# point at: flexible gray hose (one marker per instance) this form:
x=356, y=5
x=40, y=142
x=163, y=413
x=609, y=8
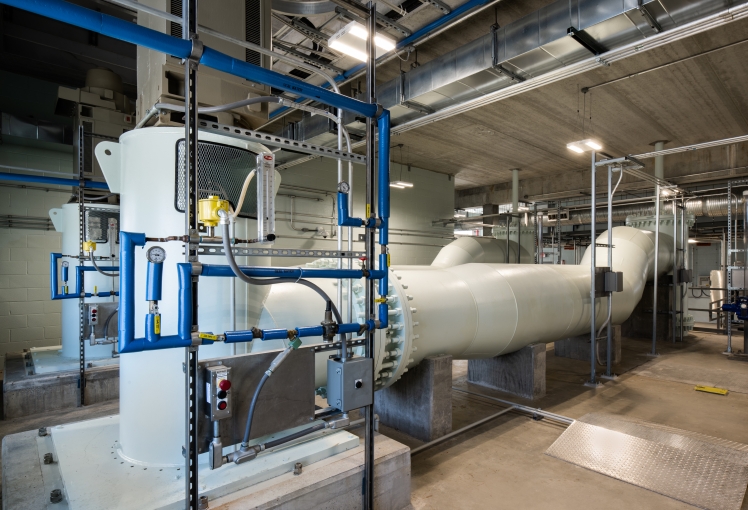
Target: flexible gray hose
x=93, y=261
x=106, y=322
x=270, y=281
x=250, y=414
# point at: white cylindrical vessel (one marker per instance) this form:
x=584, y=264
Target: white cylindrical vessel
x=152, y=389
x=66, y=221
x=484, y=310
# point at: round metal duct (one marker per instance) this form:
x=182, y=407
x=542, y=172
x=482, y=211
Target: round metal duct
x=303, y=7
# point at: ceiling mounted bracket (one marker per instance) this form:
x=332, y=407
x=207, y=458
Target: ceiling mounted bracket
x=587, y=42
x=440, y=5
x=653, y=23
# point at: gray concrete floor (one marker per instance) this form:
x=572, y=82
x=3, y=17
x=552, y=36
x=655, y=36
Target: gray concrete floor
x=502, y=464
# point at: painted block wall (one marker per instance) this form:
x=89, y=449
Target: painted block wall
x=414, y=240
x=28, y=318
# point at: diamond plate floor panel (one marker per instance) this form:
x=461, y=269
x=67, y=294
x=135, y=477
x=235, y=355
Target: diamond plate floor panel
x=700, y=470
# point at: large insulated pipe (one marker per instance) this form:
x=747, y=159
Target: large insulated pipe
x=484, y=310
x=476, y=249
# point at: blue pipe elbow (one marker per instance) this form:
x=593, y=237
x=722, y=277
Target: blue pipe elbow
x=344, y=220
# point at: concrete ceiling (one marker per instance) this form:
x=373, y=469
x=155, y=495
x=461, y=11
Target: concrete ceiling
x=700, y=99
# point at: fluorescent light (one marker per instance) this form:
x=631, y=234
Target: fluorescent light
x=351, y=40
x=692, y=241
x=584, y=146
x=395, y=185
x=401, y=184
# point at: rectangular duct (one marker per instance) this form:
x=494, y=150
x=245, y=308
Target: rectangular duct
x=526, y=48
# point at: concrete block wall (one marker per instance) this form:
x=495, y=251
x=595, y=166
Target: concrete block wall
x=413, y=239
x=28, y=318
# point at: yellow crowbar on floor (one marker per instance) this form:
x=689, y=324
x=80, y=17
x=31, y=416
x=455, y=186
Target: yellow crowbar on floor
x=711, y=389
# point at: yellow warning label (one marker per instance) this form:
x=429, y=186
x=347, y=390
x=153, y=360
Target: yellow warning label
x=368, y=210
x=380, y=300
x=711, y=389
x=157, y=324
x=208, y=336
x=388, y=260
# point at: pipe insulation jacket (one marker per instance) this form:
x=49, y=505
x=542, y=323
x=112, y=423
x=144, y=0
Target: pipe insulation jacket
x=482, y=310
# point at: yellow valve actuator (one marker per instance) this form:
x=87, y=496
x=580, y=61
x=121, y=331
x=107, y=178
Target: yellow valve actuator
x=207, y=210
x=89, y=246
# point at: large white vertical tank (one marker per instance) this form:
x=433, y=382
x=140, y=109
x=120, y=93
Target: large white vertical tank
x=143, y=169
x=66, y=221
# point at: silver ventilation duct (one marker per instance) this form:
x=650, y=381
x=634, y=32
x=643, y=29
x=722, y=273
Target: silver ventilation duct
x=560, y=34
x=709, y=207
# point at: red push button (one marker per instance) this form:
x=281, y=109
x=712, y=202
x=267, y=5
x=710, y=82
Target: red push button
x=225, y=384
x=222, y=405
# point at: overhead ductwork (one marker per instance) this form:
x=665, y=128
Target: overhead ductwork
x=560, y=34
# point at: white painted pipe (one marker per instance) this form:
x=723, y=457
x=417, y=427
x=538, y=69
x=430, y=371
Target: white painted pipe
x=483, y=310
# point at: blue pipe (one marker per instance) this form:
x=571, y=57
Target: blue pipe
x=153, y=281
x=233, y=337
x=78, y=290
x=310, y=331
x=127, y=341
x=383, y=175
x=152, y=39
x=344, y=219
x=51, y=180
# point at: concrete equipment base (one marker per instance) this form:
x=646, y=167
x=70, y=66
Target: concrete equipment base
x=420, y=403
x=26, y=395
x=520, y=373
x=578, y=347
x=92, y=475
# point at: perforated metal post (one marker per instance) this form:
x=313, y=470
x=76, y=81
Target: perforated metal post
x=371, y=129
x=609, y=353
x=191, y=187
x=81, y=258
x=593, y=269
x=674, y=308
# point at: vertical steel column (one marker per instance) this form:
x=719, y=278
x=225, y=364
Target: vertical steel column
x=558, y=232
x=371, y=129
x=81, y=258
x=656, y=272
x=674, y=313
x=508, y=219
x=189, y=32
x=519, y=238
x=728, y=264
x=609, y=353
x=593, y=269
x=684, y=263
x=537, y=229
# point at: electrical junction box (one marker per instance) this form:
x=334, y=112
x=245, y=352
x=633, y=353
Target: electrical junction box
x=218, y=391
x=683, y=276
x=350, y=384
x=96, y=317
x=613, y=281
x=93, y=314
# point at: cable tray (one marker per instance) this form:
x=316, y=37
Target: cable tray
x=281, y=252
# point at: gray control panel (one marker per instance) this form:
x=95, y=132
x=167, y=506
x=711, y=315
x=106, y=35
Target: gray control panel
x=350, y=384
x=218, y=391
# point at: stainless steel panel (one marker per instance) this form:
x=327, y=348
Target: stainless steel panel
x=105, y=309
x=683, y=11
x=615, y=31
x=536, y=62
x=696, y=469
x=458, y=92
x=555, y=19
x=286, y=400
x=566, y=50
x=592, y=12
x=388, y=95
x=472, y=58
x=522, y=35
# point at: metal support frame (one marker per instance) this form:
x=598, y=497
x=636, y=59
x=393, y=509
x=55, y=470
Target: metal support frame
x=189, y=32
x=371, y=126
x=81, y=258
x=730, y=264
x=674, y=307
x=609, y=375
x=558, y=233
x=656, y=271
x=593, y=383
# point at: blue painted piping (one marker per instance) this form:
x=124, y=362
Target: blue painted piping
x=344, y=218
x=51, y=180
x=153, y=285
x=152, y=39
x=127, y=341
x=78, y=290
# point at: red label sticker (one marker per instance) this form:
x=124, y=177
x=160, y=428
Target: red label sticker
x=268, y=158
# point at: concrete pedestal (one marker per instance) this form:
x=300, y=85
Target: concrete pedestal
x=520, y=373
x=420, y=403
x=26, y=395
x=578, y=347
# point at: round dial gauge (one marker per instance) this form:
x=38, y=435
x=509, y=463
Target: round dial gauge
x=156, y=254
x=65, y=263
x=344, y=187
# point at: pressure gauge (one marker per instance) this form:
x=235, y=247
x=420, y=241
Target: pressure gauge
x=344, y=187
x=156, y=254
x=65, y=263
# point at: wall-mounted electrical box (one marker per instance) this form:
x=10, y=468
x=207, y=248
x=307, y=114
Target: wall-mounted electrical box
x=350, y=383
x=218, y=391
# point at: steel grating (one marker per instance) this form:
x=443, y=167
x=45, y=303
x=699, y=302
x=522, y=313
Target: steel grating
x=700, y=470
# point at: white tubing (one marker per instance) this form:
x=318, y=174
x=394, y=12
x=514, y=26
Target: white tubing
x=240, y=203
x=483, y=310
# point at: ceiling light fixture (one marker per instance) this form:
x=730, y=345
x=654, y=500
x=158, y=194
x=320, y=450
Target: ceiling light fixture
x=401, y=184
x=396, y=185
x=584, y=146
x=351, y=40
